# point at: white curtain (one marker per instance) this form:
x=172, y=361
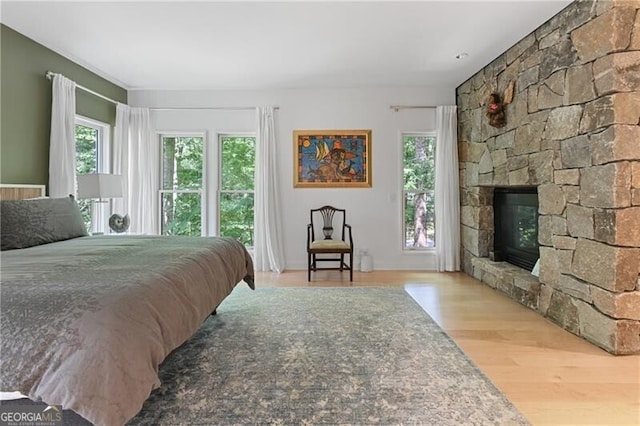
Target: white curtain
x=62, y=143
x=136, y=156
x=447, y=190
x=268, y=253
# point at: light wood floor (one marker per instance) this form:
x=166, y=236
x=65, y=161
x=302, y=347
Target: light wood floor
x=550, y=375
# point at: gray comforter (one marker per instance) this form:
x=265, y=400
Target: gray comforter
x=86, y=322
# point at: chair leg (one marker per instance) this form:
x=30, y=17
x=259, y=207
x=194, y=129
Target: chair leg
x=341, y=261
x=309, y=267
x=351, y=266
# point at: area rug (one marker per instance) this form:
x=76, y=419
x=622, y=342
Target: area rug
x=332, y=356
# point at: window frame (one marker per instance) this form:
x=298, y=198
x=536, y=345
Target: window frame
x=404, y=191
x=220, y=191
x=203, y=191
x=99, y=211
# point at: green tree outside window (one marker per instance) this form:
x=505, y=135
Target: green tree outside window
x=181, y=195
x=87, y=139
x=236, y=187
x=419, y=183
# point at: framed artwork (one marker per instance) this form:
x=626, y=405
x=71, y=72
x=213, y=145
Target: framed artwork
x=332, y=158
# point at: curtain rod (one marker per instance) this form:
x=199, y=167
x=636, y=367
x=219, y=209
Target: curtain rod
x=239, y=108
x=397, y=108
x=50, y=75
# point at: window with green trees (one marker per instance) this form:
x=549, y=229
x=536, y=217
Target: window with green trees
x=182, y=184
x=418, y=190
x=92, y=147
x=237, y=168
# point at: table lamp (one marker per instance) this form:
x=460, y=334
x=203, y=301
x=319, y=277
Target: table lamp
x=102, y=187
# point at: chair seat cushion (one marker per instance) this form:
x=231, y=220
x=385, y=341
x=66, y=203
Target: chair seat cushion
x=329, y=244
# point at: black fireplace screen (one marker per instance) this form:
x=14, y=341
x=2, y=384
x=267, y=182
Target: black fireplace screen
x=516, y=226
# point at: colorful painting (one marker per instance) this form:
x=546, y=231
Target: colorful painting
x=332, y=158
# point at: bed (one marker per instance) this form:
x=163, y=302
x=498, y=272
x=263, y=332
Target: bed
x=86, y=321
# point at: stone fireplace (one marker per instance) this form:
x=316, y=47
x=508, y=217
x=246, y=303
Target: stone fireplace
x=573, y=132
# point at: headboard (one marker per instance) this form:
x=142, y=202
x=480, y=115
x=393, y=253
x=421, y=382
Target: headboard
x=10, y=191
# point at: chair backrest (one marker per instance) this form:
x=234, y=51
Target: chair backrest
x=323, y=220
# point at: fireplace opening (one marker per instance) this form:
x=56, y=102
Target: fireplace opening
x=515, y=212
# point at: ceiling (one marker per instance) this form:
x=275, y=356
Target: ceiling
x=273, y=45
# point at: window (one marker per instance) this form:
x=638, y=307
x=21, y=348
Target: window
x=182, y=185
x=236, y=184
x=92, y=156
x=418, y=208
x=184, y=194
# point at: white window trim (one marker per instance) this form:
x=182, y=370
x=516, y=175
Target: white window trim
x=100, y=211
x=410, y=250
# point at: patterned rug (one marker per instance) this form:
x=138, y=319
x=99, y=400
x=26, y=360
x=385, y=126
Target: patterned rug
x=333, y=356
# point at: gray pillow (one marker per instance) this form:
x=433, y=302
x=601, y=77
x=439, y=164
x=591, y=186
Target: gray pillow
x=27, y=223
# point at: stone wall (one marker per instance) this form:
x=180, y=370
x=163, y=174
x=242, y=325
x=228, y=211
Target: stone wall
x=573, y=130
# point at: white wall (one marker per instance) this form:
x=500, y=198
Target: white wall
x=374, y=213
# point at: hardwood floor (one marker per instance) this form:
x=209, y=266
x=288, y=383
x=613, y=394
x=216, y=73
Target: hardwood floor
x=552, y=376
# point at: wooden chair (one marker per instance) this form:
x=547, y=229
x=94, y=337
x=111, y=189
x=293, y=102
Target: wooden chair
x=322, y=219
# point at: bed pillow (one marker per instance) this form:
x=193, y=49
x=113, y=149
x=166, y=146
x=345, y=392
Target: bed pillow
x=28, y=223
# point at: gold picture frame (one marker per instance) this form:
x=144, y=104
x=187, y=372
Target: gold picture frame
x=332, y=158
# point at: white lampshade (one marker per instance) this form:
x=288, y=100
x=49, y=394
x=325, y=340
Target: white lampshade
x=99, y=185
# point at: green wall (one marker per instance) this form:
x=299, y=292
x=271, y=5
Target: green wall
x=25, y=104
